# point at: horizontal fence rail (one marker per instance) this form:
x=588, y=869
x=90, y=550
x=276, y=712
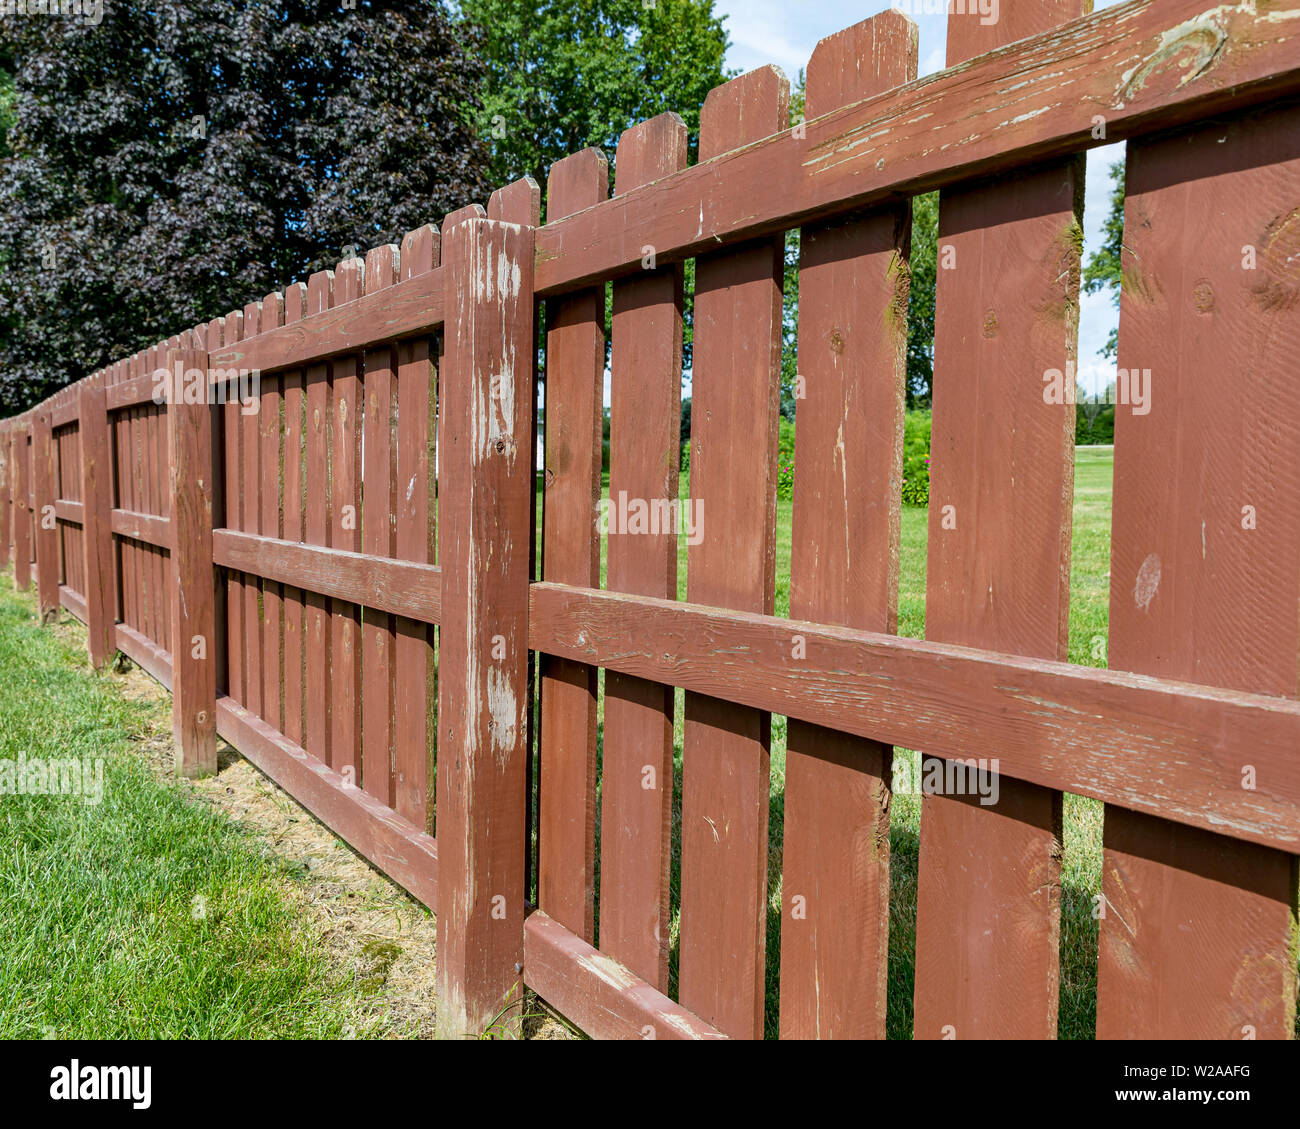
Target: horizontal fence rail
x=313, y=520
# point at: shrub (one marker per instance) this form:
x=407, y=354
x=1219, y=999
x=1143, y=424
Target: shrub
x=916, y=459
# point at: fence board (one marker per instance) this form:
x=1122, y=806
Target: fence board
x=344, y=670
x=47, y=537
x=126, y=483
x=318, y=701
x=97, y=501
x=22, y=517
x=160, y=474
x=415, y=504
x=991, y=115
x=575, y=367
x=6, y=495
x=250, y=476
x=379, y=540
x=734, y=417
x=605, y=998
x=853, y=279
x=988, y=888
x=271, y=522
x=1199, y=933
x=294, y=599
x=645, y=428
x=236, y=648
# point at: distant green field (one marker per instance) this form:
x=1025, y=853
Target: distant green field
x=1081, y=869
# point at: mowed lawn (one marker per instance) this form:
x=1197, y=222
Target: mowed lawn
x=146, y=914
x=1081, y=867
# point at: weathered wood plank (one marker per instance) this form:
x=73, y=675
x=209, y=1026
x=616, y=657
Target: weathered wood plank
x=6, y=494
x=148, y=529
x=603, y=997
x=270, y=524
x=487, y=466
x=412, y=308
x=1199, y=933
x=415, y=504
x=1156, y=746
x=145, y=653
x=317, y=638
x=1144, y=66
x=521, y=203
x=294, y=599
x=133, y=392
x=232, y=464
x=378, y=715
x=344, y=670
x=393, y=586
x=397, y=847
x=734, y=418
x=44, y=477
x=65, y=510
x=97, y=501
x=575, y=367
x=22, y=521
x=190, y=429
x=250, y=474
x=72, y=602
x=645, y=429
x=998, y=574
x=853, y=292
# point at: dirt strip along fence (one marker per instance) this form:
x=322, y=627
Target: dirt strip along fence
x=336, y=572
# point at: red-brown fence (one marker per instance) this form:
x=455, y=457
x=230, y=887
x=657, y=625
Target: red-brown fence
x=275, y=561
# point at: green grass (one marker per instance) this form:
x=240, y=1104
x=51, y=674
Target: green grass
x=148, y=914
x=1081, y=863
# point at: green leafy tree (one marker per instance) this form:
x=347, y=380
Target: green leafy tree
x=8, y=105
x=566, y=74
x=920, y=303
x=187, y=156
x=1105, y=267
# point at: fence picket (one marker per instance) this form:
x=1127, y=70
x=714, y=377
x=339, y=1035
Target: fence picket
x=734, y=418
x=318, y=702
x=853, y=278
x=6, y=495
x=250, y=477
x=1001, y=494
x=415, y=506
x=379, y=540
x=575, y=366
x=1199, y=930
x=271, y=522
x=236, y=646
x=47, y=538
x=344, y=670
x=294, y=599
x=22, y=516
x=645, y=438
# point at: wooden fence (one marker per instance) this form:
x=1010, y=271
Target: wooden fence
x=275, y=561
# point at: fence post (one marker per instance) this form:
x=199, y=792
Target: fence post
x=487, y=495
x=44, y=491
x=5, y=491
x=21, y=518
x=190, y=432
x=97, y=528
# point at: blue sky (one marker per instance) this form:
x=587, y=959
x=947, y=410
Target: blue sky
x=785, y=33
